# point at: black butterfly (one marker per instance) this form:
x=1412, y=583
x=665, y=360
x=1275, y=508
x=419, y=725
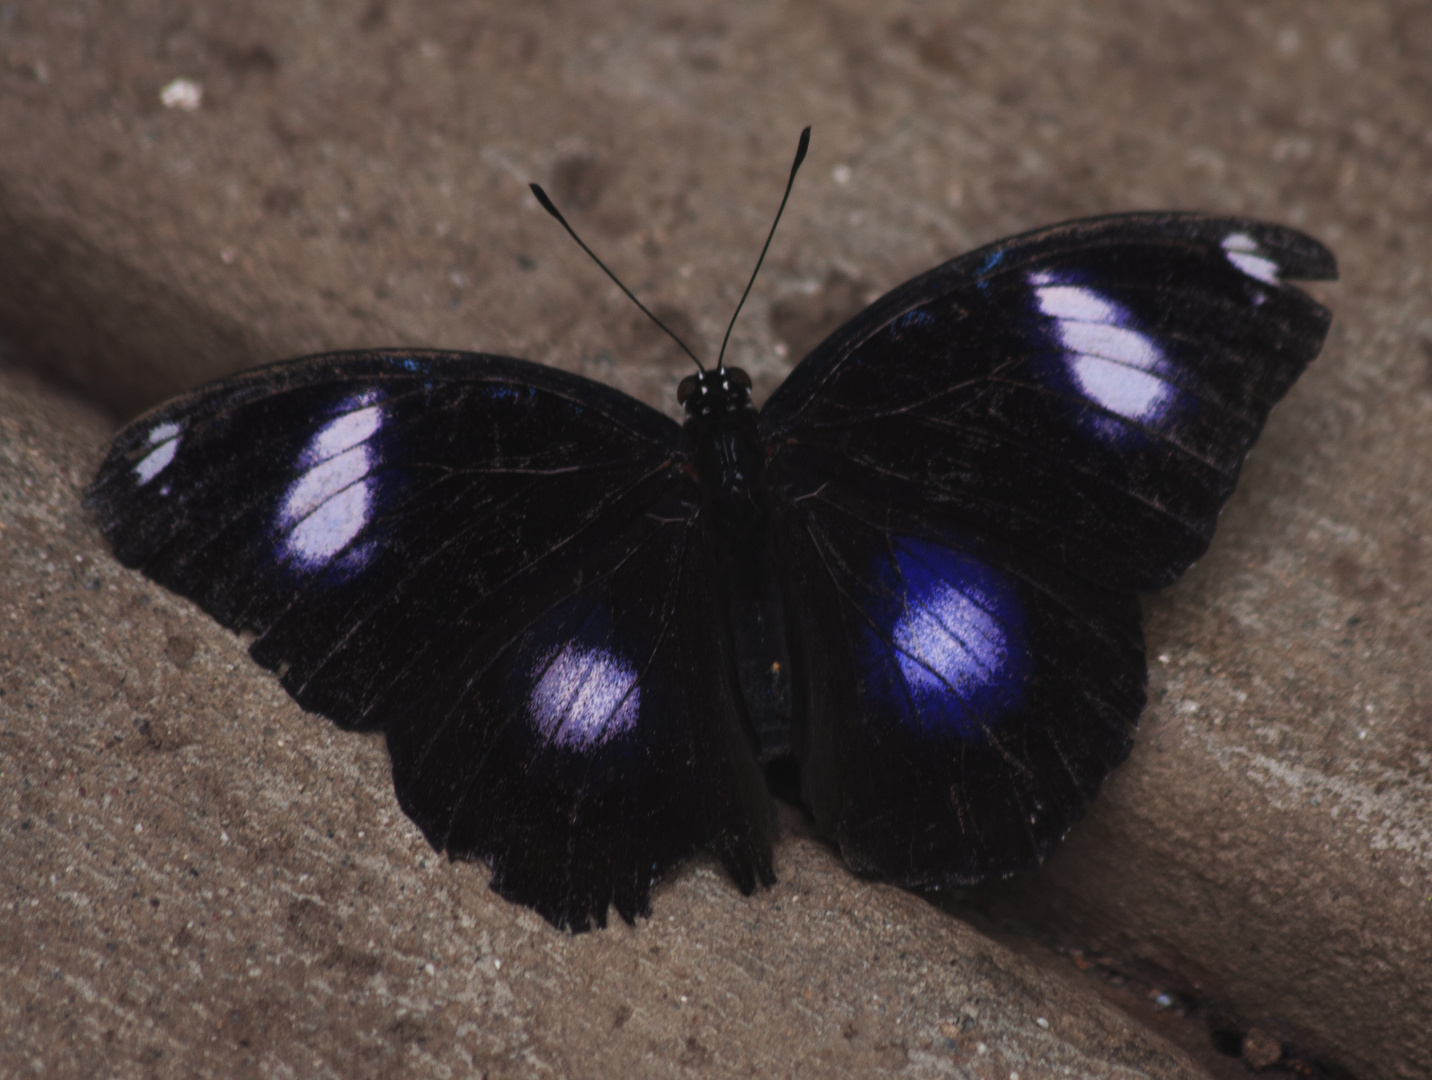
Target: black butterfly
x=583, y=627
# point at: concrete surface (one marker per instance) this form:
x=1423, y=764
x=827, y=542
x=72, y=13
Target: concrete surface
x=354, y=174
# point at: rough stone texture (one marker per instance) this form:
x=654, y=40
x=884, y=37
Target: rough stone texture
x=355, y=175
x=200, y=879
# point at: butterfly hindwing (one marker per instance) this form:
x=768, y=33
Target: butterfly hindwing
x=958, y=704
x=400, y=527
x=600, y=742
x=1088, y=391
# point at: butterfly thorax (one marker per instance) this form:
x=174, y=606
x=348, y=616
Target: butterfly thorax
x=726, y=452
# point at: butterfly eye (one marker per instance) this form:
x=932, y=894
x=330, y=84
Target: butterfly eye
x=685, y=389
x=738, y=377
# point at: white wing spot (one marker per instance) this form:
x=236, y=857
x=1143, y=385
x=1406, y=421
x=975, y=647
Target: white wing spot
x=585, y=697
x=165, y=440
x=344, y=433
x=1114, y=366
x=1074, y=303
x=331, y=502
x=325, y=481
x=1134, y=394
x=1241, y=250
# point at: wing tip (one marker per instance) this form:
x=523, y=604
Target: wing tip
x=1299, y=256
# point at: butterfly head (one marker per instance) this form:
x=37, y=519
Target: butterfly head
x=715, y=392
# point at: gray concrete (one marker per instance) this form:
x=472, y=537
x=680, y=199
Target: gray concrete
x=355, y=175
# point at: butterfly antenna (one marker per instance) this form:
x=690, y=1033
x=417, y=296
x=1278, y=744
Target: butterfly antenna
x=551, y=209
x=795, y=167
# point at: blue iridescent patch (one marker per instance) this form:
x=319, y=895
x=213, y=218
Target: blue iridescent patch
x=916, y=319
x=947, y=647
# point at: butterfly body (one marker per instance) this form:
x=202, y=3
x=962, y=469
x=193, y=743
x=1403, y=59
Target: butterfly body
x=728, y=458
x=584, y=628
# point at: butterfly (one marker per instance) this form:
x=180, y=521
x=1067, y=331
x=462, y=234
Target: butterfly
x=587, y=631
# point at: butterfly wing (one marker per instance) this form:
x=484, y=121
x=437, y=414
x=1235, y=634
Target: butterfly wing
x=498, y=564
x=1089, y=390
x=971, y=480
x=958, y=703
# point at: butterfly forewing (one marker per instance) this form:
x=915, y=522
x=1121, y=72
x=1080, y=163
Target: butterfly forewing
x=350, y=508
x=1089, y=391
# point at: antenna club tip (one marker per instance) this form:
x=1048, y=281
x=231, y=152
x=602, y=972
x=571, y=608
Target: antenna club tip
x=542, y=198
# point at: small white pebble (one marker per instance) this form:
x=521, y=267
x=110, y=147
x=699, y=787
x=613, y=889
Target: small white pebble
x=138, y=828
x=981, y=1048
x=1041, y=1021
x=223, y=836
x=430, y=969
x=840, y=174
x=183, y=94
x=497, y=964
